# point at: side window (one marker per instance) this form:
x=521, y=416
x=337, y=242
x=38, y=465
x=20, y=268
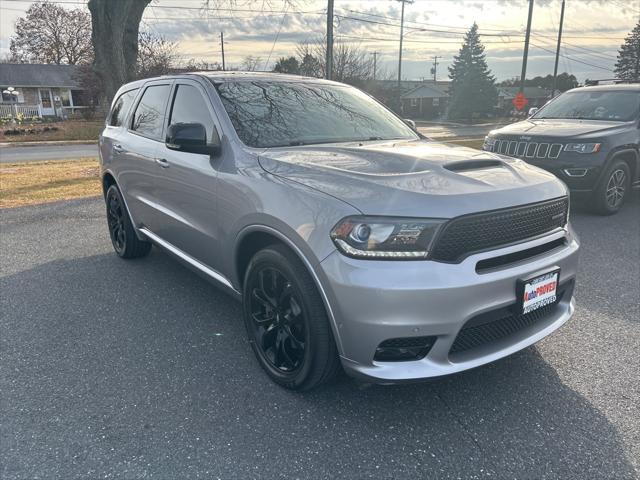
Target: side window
x=149, y=115
x=121, y=107
x=189, y=107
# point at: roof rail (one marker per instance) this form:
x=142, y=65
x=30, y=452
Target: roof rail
x=607, y=81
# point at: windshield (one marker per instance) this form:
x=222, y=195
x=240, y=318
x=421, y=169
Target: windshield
x=614, y=106
x=274, y=114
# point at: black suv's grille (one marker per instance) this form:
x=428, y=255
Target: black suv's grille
x=482, y=231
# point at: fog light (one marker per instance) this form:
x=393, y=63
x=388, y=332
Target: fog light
x=576, y=172
x=404, y=349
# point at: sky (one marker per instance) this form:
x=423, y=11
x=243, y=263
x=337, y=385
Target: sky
x=270, y=29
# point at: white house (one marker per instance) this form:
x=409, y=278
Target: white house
x=43, y=90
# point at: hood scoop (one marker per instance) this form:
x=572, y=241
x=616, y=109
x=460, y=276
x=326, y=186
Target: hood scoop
x=466, y=165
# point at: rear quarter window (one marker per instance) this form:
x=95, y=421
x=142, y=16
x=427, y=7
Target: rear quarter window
x=121, y=108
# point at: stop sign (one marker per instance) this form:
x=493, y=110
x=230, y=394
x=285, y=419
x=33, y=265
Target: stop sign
x=520, y=101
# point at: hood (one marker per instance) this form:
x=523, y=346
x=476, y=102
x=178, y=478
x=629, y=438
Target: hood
x=561, y=128
x=413, y=178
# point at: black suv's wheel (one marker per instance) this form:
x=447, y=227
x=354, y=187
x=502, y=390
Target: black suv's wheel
x=287, y=322
x=613, y=189
x=123, y=237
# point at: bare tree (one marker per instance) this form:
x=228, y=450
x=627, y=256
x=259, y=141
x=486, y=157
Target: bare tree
x=351, y=63
x=115, y=27
x=250, y=63
x=49, y=33
x=156, y=55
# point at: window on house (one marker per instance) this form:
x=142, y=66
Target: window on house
x=414, y=102
x=8, y=98
x=65, y=97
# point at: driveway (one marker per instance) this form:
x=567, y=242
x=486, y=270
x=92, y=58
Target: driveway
x=47, y=152
x=140, y=369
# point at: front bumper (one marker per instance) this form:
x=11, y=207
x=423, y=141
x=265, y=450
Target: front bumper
x=373, y=301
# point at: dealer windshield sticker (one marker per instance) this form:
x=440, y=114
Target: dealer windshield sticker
x=539, y=292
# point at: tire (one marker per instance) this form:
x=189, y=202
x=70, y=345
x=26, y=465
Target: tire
x=123, y=236
x=613, y=188
x=286, y=321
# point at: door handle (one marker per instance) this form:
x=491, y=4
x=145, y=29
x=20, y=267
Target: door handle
x=162, y=162
x=117, y=148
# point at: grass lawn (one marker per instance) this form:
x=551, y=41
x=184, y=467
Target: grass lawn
x=67, y=130
x=41, y=182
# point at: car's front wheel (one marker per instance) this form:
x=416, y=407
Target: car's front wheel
x=614, y=188
x=287, y=322
x=123, y=237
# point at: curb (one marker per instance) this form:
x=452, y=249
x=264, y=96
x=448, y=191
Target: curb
x=48, y=143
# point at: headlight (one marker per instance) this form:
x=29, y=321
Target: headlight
x=385, y=237
x=489, y=143
x=582, y=147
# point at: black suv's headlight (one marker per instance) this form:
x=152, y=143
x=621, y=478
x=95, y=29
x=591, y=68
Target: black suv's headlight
x=489, y=143
x=390, y=238
x=582, y=147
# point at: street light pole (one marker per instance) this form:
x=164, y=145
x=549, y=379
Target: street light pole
x=329, y=50
x=555, y=67
x=401, y=35
x=526, y=47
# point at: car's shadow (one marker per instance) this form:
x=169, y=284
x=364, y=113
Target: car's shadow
x=142, y=367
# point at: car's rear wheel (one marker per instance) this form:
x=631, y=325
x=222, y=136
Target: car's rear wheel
x=287, y=322
x=613, y=189
x=123, y=237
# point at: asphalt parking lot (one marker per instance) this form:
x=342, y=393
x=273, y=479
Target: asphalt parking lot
x=115, y=369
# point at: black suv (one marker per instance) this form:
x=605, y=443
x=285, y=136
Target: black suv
x=589, y=137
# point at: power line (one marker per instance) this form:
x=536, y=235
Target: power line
x=573, y=59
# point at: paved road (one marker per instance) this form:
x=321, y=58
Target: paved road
x=115, y=369
x=47, y=152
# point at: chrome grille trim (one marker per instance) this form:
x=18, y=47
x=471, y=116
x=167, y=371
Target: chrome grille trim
x=522, y=149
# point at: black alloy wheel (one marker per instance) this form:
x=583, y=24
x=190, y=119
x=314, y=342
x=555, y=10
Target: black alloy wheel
x=278, y=320
x=286, y=321
x=123, y=237
x=613, y=189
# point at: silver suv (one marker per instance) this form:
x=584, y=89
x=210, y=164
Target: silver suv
x=351, y=240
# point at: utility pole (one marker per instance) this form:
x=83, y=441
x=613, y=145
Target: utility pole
x=526, y=47
x=375, y=64
x=222, y=45
x=401, y=35
x=329, y=58
x=435, y=68
x=555, y=67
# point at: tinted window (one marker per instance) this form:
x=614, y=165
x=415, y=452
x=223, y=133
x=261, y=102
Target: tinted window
x=617, y=106
x=121, y=107
x=149, y=116
x=189, y=107
x=269, y=114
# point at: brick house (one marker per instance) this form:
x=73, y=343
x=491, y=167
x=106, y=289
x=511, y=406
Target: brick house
x=43, y=90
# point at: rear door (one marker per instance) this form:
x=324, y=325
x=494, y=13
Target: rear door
x=138, y=147
x=187, y=181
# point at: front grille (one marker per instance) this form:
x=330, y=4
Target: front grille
x=521, y=149
x=479, y=335
x=488, y=230
x=496, y=325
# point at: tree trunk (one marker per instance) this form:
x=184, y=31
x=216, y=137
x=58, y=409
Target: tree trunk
x=115, y=25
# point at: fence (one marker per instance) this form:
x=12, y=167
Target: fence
x=9, y=110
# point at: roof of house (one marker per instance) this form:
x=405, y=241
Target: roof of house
x=424, y=91
x=37, y=75
x=529, y=92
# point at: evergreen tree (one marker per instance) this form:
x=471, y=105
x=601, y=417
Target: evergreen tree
x=473, y=90
x=287, y=65
x=628, y=64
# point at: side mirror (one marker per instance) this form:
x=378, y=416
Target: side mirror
x=533, y=111
x=191, y=138
x=410, y=122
